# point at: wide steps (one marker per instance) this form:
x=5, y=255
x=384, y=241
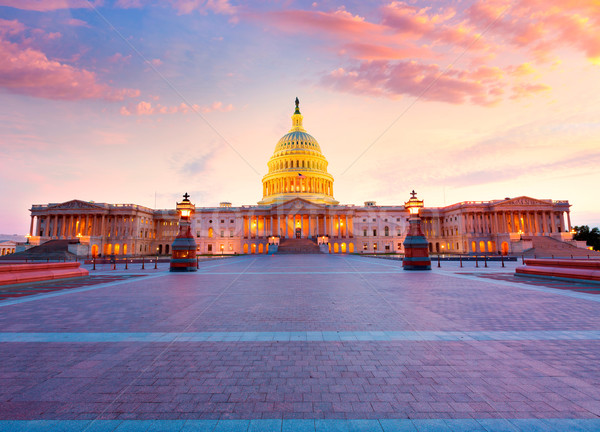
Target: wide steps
x=544, y=246
x=298, y=246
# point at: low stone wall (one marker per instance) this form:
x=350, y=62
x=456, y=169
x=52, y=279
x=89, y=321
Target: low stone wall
x=574, y=269
x=24, y=273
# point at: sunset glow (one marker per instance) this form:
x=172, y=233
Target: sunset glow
x=133, y=101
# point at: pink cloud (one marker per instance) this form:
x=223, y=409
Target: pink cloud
x=27, y=70
x=48, y=5
x=144, y=108
x=484, y=86
x=542, y=27
x=184, y=7
x=77, y=22
x=119, y=58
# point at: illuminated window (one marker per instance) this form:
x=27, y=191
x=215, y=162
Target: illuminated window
x=374, y=246
x=365, y=246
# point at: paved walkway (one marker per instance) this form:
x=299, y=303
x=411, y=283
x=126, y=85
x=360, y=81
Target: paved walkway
x=310, y=342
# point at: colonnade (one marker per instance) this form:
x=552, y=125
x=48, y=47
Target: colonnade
x=293, y=184
x=518, y=221
x=76, y=225
x=309, y=225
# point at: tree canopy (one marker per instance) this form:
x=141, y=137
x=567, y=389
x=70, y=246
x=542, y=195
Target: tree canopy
x=591, y=237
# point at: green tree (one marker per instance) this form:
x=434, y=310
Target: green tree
x=591, y=237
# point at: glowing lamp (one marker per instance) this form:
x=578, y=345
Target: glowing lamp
x=413, y=205
x=416, y=247
x=183, y=258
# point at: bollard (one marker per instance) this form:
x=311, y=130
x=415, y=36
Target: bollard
x=439, y=261
x=197, y=262
x=94, y=262
x=522, y=259
x=115, y=264
x=460, y=258
x=126, y=268
x=143, y=263
x=485, y=261
x=502, y=260
x=155, y=262
x=476, y=262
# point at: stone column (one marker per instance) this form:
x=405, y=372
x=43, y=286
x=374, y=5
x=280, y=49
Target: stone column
x=553, y=222
x=331, y=225
x=31, y=226
x=569, y=220
x=351, y=226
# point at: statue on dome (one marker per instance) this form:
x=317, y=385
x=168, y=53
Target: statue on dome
x=297, y=102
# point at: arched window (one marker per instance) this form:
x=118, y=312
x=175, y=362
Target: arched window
x=210, y=233
x=286, y=164
x=297, y=164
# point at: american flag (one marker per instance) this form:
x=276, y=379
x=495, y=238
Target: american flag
x=301, y=176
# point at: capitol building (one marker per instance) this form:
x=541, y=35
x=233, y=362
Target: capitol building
x=298, y=207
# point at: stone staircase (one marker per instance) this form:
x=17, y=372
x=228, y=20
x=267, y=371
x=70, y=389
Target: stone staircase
x=546, y=247
x=298, y=246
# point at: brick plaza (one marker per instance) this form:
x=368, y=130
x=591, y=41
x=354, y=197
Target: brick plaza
x=302, y=342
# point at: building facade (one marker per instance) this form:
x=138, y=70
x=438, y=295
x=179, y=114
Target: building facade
x=298, y=202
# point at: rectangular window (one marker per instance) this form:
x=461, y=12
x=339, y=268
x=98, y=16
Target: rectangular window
x=365, y=232
x=374, y=246
x=197, y=233
x=374, y=233
x=230, y=233
x=230, y=220
x=222, y=221
x=399, y=246
x=387, y=247
x=222, y=233
x=210, y=248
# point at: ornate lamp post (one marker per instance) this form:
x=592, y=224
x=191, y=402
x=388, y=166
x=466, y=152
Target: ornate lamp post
x=416, y=253
x=183, y=257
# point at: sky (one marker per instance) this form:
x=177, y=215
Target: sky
x=138, y=101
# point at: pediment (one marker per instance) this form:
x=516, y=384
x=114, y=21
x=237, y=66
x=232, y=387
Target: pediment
x=521, y=201
x=75, y=205
x=298, y=204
